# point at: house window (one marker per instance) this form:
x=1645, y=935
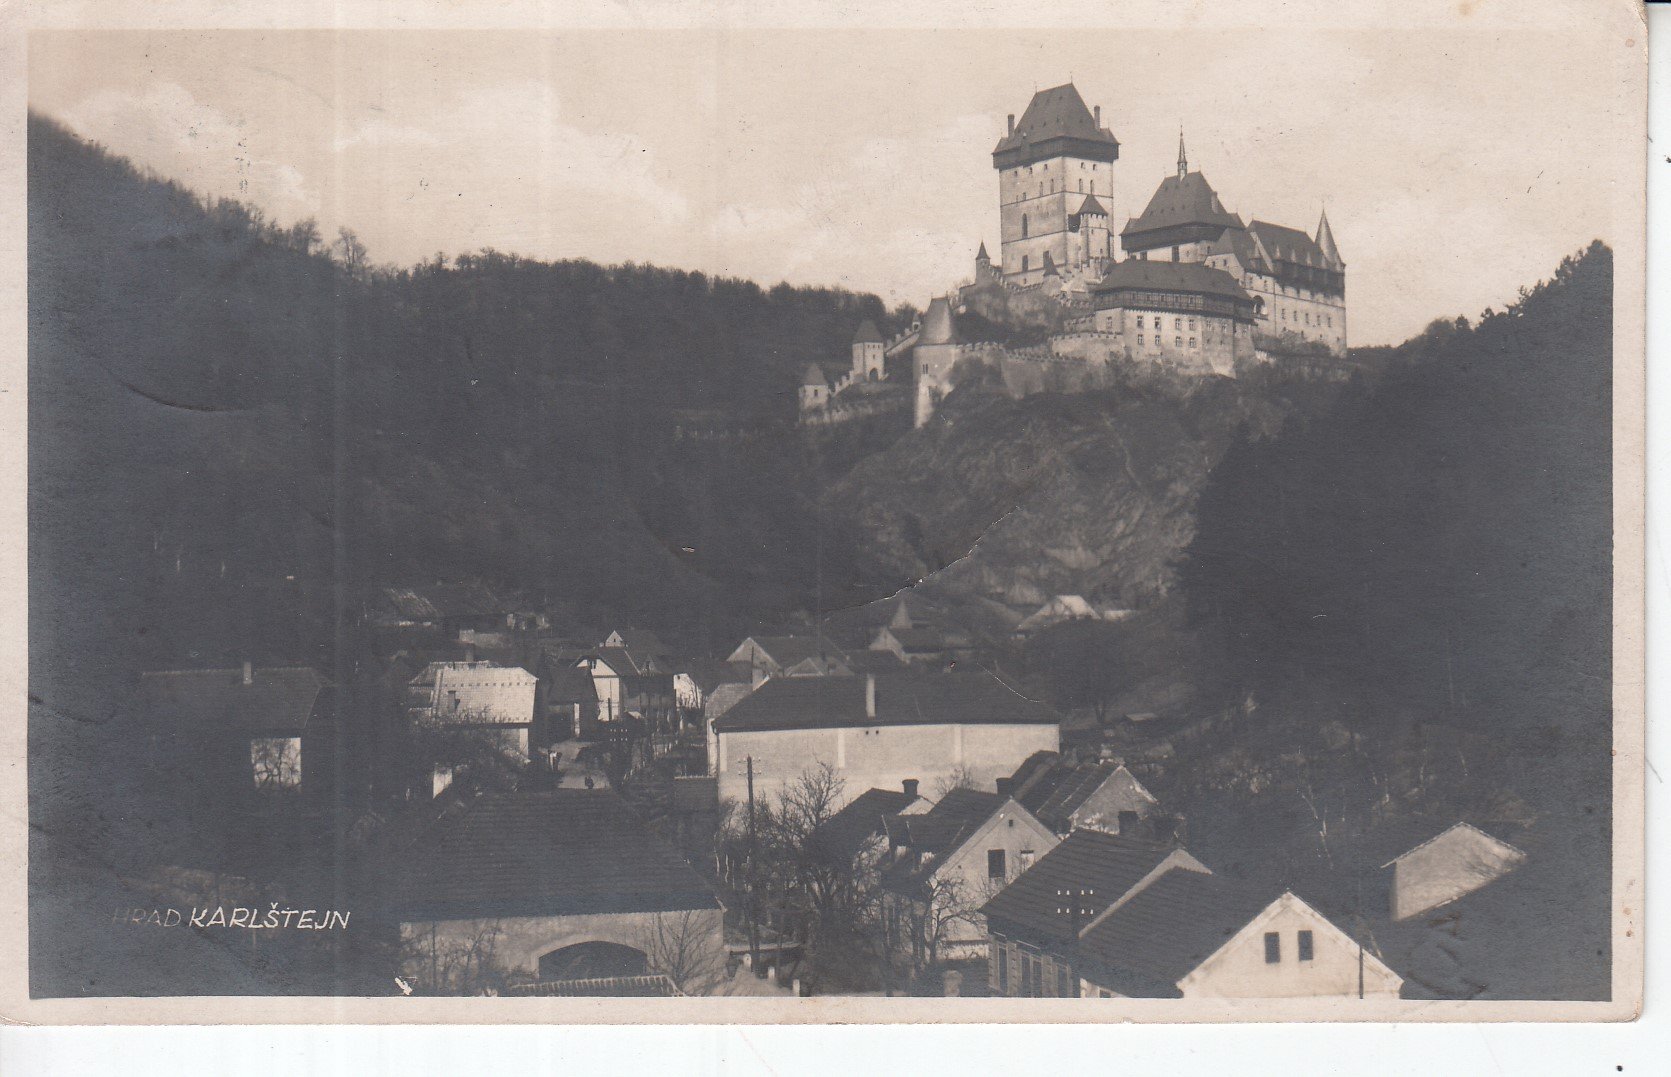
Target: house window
x=1306, y=950
x=1063, y=988
x=1174, y=253
x=1273, y=948
x=1003, y=984
x=1026, y=859
x=995, y=863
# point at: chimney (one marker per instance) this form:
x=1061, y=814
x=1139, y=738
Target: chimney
x=1012, y=123
x=910, y=787
x=249, y=674
x=1005, y=786
x=870, y=695
x=1096, y=114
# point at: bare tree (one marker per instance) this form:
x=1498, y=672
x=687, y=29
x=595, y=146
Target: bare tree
x=449, y=964
x=688, y=948
x=962, y=777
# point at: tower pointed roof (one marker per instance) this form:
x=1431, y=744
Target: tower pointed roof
x=1183, y=158
x=981, y=255
x=1325, y=240
x=814, y=376
x=1091, y=205
x=1056, y=124
x=867, y=333
x=937, y=323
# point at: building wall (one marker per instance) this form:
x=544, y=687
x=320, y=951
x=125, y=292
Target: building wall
x=520, y=941
x=1309, y=314
x=1454, y=864
x=1193, y=342
x=876, y=757
x=1015, y=831
x=868, y=357
x=931, y=371
x=1044, y=194
x=502, y=693
x=1239, y=969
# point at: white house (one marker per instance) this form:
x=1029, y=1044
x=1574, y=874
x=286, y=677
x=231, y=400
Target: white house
x=482, y=695
x=879, y=730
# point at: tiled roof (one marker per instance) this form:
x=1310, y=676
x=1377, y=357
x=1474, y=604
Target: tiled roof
x=1106, y=864
x=565, y=852
x=652, y=986
x=278, y=701
x=905, y=698
x=867, y=333
x=1140, y=274
x=1055, y=115
x=566, y=682
x=1164, y=931
x=862, y=818
x=1286, y=244
x=1182, y=200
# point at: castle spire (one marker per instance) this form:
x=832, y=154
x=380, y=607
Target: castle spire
x=1183, y=158
x=1325, y=238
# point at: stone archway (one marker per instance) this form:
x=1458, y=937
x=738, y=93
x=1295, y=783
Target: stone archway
x=593, y=960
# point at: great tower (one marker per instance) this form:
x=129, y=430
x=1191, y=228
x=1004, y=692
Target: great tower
x=1055, y=180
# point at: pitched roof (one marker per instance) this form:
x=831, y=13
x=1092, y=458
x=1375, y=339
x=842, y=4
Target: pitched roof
x=1091, y=205
x=278, y=701
x=929, y=838
x=867, y=333
x=1105, y=864
x=1056, y=120
x=981, y=254
x=557, y=853
x=1182, y=200
x=566, y=682
x=641, y=641
x=1325, y=240
x=905, y=698
x=789, y=651
x=1165, y=930
x=1286, y=244
x=863, y=817
x=1141, y=274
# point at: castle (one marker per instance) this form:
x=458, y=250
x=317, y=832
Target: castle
x=1189, y=287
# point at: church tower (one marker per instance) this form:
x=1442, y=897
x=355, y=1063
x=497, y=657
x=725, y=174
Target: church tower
x=1051, y=166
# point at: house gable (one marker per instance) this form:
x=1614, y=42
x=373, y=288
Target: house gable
x=1338, y=966
x=1451, y=865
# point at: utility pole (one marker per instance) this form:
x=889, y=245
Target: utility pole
x=1075, y=904
x=753, y=911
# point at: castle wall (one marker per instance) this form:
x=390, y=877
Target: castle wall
x=1288, y=308
x=1194, y=343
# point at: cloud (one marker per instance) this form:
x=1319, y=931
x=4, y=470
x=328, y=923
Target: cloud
x=169, y=130
x=380, y=132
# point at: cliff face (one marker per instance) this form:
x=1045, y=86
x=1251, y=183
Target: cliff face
x=1088, y=493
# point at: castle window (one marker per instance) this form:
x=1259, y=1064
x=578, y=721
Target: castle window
x=1192, y=342
x=1140, y=340
x=1024, y=257
x=1023, y=230
x=1177, y=342
x=1192, y=323
x=1177, y=323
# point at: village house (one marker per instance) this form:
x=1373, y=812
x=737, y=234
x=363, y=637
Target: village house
x=878, y=730
x=945, y=863
x=1066, y=608
x=790, y=656
x=1066, y=796
x=261, y=722
x=563, y=886
x=1446, y=867
x=482, y=696
x=863, y=821
x=1109, y=917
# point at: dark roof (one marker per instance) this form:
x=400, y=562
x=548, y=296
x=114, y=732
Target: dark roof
x=1286, y=244
x=1106, y=864
x=867, y=333
x=1164, y=931
x=932, y=836
x=564, y=852
x=1056, y=122
x=814, y=375
x=1091, y=205
x=644, y=643
x=278, y=701
x=566, y=682
x=787, y=651
x=904, y=698
x=925, y=639
x=863, y=818
x=868, y=661
x=1140, y=274
x=981, y=254
x=1179, y=201
x=1055, y=801
x=1325, y=240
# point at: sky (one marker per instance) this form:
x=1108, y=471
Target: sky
x=1455, y=167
